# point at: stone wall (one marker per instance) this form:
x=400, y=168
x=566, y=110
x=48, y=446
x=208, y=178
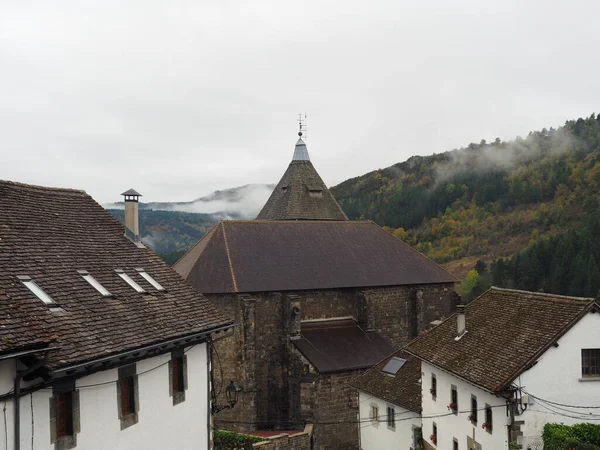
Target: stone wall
x=297, y=441
x=277, y=391
x=336, y=416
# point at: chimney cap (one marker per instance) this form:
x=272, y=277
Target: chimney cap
x=460, y=308
x=132, y=192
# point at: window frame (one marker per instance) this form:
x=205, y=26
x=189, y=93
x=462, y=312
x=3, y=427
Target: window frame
x=130, y=281
x=36, y=290
x=146, y=276
x=391, y=417
x=590, y=361
x=473, y=417
x=488, y=425
x=434, y=433
x=374, y=413
x=433, y=389
x=128, y=405
x=65, y=425
x=454, y=444
x=453, y=406
x=178, y=376
x=94, y=283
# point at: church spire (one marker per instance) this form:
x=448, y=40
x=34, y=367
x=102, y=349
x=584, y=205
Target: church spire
x=300, y=152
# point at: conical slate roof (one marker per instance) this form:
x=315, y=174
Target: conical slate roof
x=301, y=194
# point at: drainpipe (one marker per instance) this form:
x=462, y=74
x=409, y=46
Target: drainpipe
x=17, y=388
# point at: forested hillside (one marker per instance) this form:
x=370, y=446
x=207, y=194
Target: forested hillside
x=533, y=196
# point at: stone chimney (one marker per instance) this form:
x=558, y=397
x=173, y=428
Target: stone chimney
x=132, y=223
x=461, y=321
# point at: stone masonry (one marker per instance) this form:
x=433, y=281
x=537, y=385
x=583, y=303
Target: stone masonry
x=280, y=388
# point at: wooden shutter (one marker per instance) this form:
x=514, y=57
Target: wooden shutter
x=176, y=366
x=62, y=415
x=184, y=370
x=126, y=394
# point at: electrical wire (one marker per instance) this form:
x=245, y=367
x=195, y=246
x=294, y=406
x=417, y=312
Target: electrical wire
x=560, y=404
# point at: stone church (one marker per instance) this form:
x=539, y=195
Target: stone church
x=318, y=299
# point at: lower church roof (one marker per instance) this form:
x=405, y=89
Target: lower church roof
x=340, y=345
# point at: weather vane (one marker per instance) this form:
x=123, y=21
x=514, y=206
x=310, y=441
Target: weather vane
x=302, y=125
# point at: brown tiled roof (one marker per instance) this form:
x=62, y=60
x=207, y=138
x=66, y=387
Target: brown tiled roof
x=262, y=256
x=507, y=330
x=340, y=345
x=292, y=198
x=403, y=389
x=49, y=234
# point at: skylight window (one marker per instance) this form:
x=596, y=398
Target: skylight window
x=150, y=280
x=94, y=283
x=36, y=290
x=393, y=366
x=129, y=281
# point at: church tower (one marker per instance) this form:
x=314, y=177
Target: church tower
x=301, y=194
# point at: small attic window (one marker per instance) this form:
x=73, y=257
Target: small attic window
x=315, y=193
x=150, y=280
x=393, y=366
x=36, y=290
x=129, y=281
x=94, y=283
x=284, y=189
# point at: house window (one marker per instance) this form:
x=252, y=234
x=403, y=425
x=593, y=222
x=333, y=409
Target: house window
x=453, y=406
x=473, y=416
x=433, y=437
x=128, y=396
x=64, y=415
x=433, y=389
x=178, y=376
x=391, y=417
x=488, y=419
x=454, y=444
x=374, y=414
x=590, y=362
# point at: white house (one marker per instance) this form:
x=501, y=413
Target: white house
x=499, y=369
x=389, y=402
x=102, y=345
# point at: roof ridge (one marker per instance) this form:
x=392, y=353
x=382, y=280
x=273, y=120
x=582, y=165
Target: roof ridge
x=41, y=188
x=235, y=287
x=543, y=294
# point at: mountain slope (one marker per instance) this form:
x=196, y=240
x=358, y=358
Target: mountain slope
x=485, y=200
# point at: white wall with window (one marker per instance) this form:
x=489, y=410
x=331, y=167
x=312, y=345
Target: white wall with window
x=380, y=431
x=567, y=374
x=448, y=419
x=156, y=403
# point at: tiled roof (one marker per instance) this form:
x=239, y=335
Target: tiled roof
x=301, y=194
x=403, y=389
x=507, y=330
x=49, y=234
x=340, y=345
x=263, y=256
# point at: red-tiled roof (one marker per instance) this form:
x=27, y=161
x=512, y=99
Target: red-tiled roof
x=49, y=234
x=262, y=256
x=507, y=330
x=340, y=345
x=403, y=389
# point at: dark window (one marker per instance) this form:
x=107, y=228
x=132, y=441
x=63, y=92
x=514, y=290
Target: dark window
x=64, y=415
x=178, y=376
x=453, y=406
x=391, y=417
x=473, y=416
x=393, y=366
x=433, y=389
x=454, y=444
x=590, y=362
x=127, y=396
x=488, y=418
x=433, y=437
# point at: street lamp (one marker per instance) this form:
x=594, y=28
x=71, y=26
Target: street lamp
x=232, y=393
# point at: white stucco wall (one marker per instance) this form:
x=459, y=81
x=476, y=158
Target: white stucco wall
x=378, y=436
x=557, y=377
x=161, y=425
x=459, y=426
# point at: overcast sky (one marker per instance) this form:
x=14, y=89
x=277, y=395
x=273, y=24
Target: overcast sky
x=179, y=98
